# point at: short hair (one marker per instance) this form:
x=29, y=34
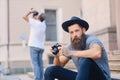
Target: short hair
x=35, y=13
x=42, y=17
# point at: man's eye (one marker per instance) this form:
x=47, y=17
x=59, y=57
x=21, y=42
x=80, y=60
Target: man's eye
x=71, y=32
x=76, y=30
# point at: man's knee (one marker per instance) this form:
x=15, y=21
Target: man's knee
x=86, y=62
x=49, y=70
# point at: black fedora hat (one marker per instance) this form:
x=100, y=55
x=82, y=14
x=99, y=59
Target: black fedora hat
x=74, y=20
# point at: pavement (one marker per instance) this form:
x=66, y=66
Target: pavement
x=30, y=77
x=17, y=77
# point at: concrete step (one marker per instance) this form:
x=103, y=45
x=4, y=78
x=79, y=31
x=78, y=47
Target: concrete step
x=114, y=63
x=115, y=76
x=25, y=77
x=31, y=75
x=114, y=57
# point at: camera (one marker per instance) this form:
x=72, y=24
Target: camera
x=55, y=48
x=35, y=13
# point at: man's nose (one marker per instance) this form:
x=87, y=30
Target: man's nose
x=75, y=34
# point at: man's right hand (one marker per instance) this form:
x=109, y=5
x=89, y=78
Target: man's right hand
x=32, y=10
x=25, y=17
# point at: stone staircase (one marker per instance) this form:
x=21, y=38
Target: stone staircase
x=114, y=63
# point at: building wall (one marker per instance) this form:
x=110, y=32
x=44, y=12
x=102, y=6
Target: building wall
x=117, y=2
x=3, y=20
x=97, y=13
x=102, y=21
x=3, y=32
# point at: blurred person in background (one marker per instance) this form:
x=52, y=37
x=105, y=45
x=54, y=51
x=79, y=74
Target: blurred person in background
x=36, y=41
x=1, y=72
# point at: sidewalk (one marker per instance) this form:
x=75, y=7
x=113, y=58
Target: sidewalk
x=24, y=77
x=114, y=76
x=17, y=77
x=30, y=76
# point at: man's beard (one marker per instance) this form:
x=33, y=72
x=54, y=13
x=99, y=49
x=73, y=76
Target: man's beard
x=79, y=43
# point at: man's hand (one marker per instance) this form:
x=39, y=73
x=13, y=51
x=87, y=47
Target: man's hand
x=59, y=58
x=66, y=52
x=32, y=10
x=26, y=16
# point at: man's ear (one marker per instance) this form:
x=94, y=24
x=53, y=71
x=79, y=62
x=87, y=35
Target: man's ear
x=84, y=30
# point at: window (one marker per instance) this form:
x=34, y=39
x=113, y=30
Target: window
x=51, y=31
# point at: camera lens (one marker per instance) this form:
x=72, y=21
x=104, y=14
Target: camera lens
x=55, y=51
x=55, y=48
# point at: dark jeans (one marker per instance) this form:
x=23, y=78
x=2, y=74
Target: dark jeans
x=88, y=70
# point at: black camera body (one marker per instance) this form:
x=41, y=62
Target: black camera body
x=55, y=48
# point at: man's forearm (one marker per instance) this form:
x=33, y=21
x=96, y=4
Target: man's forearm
x=28, y=13
x=57, y=61
x=26, y=16
x=94, y=54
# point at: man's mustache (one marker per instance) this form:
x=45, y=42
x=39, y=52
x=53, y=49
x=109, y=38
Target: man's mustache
x=76, y=38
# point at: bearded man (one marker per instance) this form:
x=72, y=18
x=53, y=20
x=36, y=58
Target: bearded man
x=86, y=51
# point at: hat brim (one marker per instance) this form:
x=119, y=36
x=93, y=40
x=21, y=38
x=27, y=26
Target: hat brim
x=68, y=23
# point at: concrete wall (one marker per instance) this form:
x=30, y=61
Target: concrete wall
x=117, y=8
x=97, y=13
